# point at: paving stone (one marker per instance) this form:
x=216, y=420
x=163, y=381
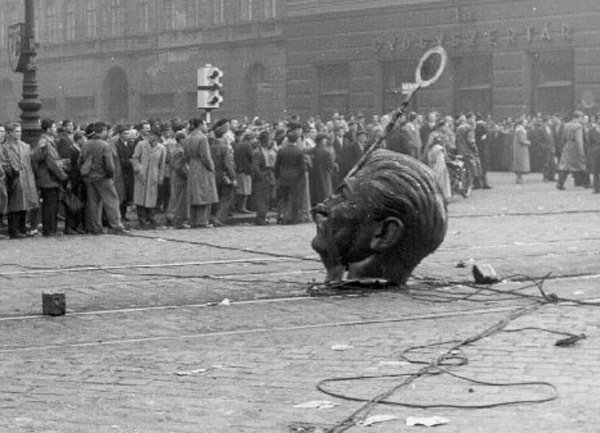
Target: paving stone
x=100, y=371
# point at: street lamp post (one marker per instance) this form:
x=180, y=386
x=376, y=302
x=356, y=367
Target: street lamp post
x=30, y=104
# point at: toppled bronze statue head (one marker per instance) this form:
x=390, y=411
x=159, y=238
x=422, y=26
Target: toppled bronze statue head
x=382, y=221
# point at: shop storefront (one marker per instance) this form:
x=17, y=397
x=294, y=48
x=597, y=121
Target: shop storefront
x=506, y=58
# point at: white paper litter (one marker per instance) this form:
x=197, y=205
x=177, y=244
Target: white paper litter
x=317, y=404
x=341, y=347
x=375, y=419
x=191, y=372
x=393, y=364
x=428, y=421
x=225, y=302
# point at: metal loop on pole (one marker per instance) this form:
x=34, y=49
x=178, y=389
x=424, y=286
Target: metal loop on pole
x=439, y=50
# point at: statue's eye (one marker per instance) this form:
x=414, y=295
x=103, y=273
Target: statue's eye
x=345, y=191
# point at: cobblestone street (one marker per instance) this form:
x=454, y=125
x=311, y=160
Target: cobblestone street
x=149, y=343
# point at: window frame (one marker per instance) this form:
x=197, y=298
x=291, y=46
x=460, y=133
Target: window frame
x=91, y=19
x=70, y=20
x=389, y=92
x=333, y=73
x=479, y=89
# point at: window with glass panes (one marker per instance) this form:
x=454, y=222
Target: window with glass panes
x=116, y=17
x=552, y=81
x=70, y=20
x=218, y=11
x=394, y=73
x=473, y=83
x=334, y=84
x=143, y=17
x=51, y=22
x=91, y=19
x=269, y=9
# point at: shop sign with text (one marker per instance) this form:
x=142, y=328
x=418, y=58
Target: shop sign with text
x=477, y=38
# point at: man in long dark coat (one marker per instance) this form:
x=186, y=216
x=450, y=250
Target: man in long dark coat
x=125, y=146
x=291, y=177
x=50, y=175
x=349, y=154
x=202, y=188
x=572, y=158
x=323, y=168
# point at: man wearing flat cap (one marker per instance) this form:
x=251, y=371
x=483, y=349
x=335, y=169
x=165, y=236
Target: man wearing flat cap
x=225, y=177
x=243, y=155
x=125, y=147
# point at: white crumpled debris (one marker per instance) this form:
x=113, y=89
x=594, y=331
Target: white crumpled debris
x=426, y=421
x=225, y=302
x=317, y=404
x=341, y=347
x=191, y=372
x=199, y=370
x=376, y=419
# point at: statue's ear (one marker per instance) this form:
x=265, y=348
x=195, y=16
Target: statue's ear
x=387, y=234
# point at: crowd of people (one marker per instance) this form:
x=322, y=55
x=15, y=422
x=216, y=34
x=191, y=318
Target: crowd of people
x=199, y=175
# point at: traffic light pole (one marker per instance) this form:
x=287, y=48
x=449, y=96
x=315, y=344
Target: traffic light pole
x=207, y=115
x=30, y=105
x=208, y=89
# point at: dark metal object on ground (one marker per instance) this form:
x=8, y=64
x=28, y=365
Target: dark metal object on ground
x=485, y=274
x=54, y=304
x=346, y=287
x=569, y=341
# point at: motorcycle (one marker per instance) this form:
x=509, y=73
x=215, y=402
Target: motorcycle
x=461, y=178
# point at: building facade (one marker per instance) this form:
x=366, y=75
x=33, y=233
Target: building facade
x=130, y=60
x=506, y=57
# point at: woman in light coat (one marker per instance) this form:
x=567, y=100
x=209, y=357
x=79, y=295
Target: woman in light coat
x=521, y=150
x=434, y=155
x=148, y=163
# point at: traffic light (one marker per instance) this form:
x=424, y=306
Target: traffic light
x=209, y=87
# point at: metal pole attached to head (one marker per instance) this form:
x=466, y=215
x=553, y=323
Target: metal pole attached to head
x=419, y=84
